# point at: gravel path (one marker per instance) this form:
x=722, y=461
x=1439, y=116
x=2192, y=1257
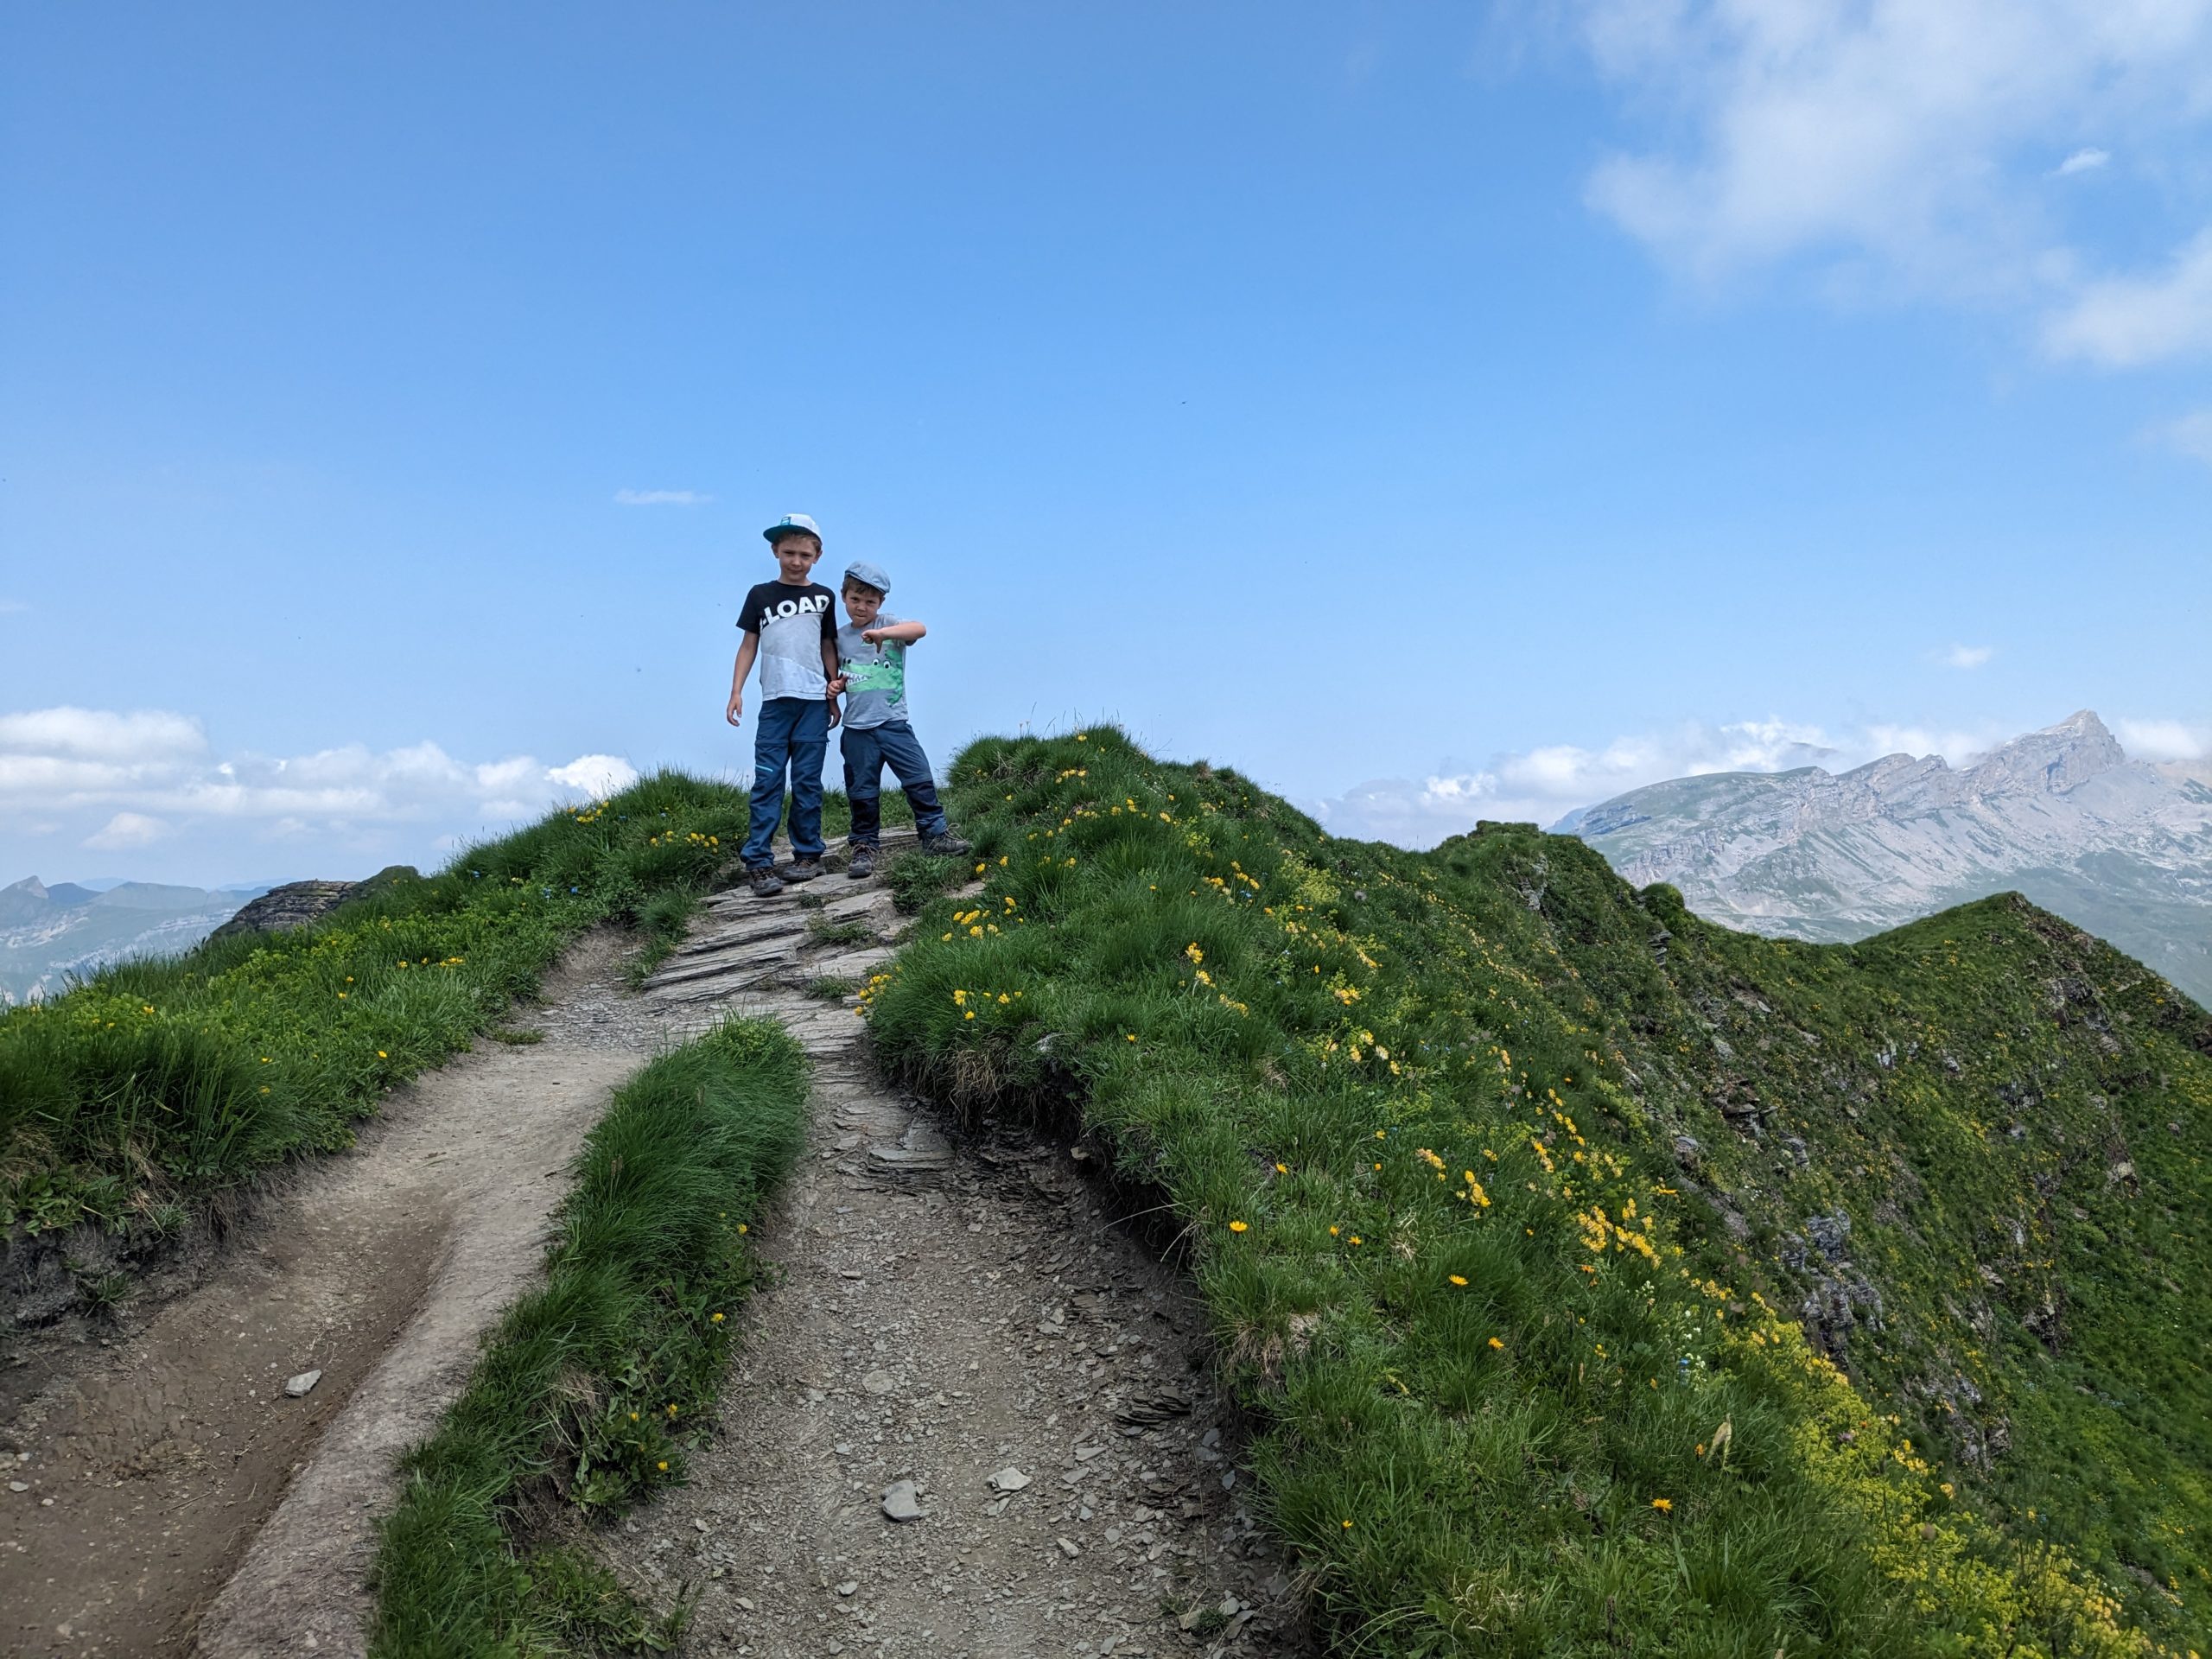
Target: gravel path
x=961, y=1335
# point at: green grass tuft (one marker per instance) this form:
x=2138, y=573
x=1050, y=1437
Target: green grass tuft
x=589, y=1388
x=916, y=878
x=828, y=932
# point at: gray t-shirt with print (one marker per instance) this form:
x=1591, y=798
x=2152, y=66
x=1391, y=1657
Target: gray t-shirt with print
x=875, y=675
x=793, y=621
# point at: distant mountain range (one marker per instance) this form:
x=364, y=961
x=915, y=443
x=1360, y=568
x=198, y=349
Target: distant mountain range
x=50, y=934
x=2122, y=848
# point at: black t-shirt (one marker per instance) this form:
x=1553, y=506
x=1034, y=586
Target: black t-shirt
x=793, y=623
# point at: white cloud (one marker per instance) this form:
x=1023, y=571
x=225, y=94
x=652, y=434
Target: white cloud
x=2192, y=434
x=1541, y=785
x=155, y=772
x=1902, y=146
x=2125, y=321
x=661, y=498
x=129, y=830
x=1965, y=655
x=1958, y=748
x=596, y=775
x=99, y=734
x=2162, y=739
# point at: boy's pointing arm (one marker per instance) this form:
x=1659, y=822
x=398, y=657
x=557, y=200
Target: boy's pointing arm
x=898, y=633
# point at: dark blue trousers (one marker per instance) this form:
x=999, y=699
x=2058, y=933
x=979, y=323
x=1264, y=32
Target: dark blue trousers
x=867, y=753
x=794, y=732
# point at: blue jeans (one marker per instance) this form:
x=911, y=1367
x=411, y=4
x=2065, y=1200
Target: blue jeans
x=794, y=731
x=867, y=752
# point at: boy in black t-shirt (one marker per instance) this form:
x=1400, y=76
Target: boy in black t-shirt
x=791, y=625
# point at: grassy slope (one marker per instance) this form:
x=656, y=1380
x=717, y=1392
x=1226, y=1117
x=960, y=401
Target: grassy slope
x=1427, y=1117
x=157, y=1082
x=590, y=1384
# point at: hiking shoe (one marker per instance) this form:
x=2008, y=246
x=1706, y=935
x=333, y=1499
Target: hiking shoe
x=862, y=864
x=766, y=884
x=802, y=869
x=947, y=845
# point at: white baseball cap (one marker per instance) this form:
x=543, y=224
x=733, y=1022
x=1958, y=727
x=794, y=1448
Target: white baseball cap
x=789, y=523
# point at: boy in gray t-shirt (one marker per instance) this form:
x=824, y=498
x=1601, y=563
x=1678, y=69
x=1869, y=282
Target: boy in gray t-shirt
x=790, y=629
x=872, y=674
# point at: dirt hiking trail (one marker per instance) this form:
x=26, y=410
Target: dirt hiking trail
x=962, y=1337
x=149, y=1463
x=954, y=1330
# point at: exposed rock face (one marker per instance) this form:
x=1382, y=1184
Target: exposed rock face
x=2120, y=847
x=298, y=903
x=293, y=904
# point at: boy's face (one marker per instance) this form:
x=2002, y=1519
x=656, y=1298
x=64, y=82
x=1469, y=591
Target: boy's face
x=795, y=556
x=861, y=604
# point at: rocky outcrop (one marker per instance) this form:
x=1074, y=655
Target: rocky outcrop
x=298, y=903
x=293, y=904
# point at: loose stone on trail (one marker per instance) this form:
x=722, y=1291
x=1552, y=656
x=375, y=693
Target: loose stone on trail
x=298, y=1387
x=878, y=1381
x=901, y=1502
x=1009, y=1480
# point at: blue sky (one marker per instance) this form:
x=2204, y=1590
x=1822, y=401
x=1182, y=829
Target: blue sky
x=1433, y=412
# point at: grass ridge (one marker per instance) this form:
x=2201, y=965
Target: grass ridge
x=1501, y=1181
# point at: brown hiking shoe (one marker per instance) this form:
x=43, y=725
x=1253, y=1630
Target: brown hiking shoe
x=766, y=884
x=862, y=864
x=802, y=869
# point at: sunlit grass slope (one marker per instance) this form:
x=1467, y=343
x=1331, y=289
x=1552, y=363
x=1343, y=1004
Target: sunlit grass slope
x=158, y=1082
x=1600, y=1277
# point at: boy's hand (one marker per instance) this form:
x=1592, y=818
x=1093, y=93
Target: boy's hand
x=837, y=686
x=835, y=717
x=874, y=636
x=736, y=712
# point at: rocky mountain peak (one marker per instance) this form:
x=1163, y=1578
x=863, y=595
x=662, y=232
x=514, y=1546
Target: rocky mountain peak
x=22, y=900
x=2053, y=760
x=2120, y=847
